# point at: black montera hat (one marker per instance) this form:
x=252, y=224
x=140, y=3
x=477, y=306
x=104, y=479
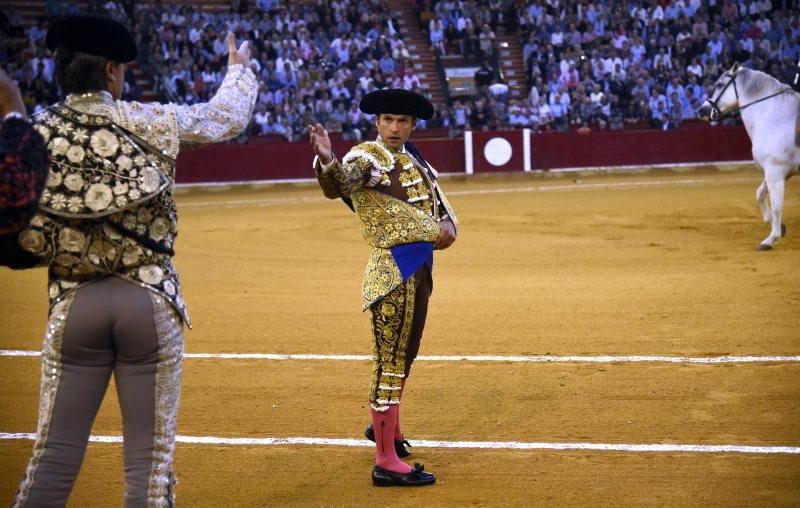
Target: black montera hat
x=397, y=101
x=96, y=35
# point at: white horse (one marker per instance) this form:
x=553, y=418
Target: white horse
x=769, y=111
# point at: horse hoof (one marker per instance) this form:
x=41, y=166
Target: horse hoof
x=764, y=246
x=783, y=229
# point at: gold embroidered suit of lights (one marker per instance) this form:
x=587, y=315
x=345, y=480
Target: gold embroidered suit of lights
x=392, y=319
x=386, y=222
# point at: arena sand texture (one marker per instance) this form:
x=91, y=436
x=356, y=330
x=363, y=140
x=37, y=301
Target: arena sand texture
x=659, y=263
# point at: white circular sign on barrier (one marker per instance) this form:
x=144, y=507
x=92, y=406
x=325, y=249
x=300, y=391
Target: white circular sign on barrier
x=497, y=151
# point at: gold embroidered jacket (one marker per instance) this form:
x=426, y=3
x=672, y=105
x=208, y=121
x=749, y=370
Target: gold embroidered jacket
x=108, y=207
x=398, y=202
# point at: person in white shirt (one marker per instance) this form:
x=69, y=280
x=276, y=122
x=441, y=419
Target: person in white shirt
x=220, y=46
x=637, y=50
x=517, y=118
x=410, y=80
x=196, y=32
x=557, y=37
x=340, y=91
x=400, y=52
x=662, y=58
x=695, y=68
x=596, y=94
x=533, y=96
x=656, y=13
x=545, y=114
x=262, y=118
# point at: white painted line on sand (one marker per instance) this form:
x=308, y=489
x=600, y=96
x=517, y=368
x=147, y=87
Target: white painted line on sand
x=483, y=445
x=607, y=186
x=505, y=190
x=478, y=358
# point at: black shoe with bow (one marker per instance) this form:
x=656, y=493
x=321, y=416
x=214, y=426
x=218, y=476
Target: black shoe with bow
x=415, y=478
x=399, y=444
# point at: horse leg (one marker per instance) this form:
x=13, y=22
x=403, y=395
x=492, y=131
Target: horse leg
x=761, y=197
x=775, y=185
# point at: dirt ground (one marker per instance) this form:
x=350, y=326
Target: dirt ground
x=662, y=263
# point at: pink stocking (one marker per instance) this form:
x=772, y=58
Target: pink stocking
x=385, y=423
x=398, y=433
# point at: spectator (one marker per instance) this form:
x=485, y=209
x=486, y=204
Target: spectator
x=36, y=34
x=262, y=118
x=666, y=123
x=437, y=37
x=484, y=75
x=486, y=41
x=480, y=118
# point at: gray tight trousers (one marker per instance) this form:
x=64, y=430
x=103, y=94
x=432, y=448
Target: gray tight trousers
x=107, y=326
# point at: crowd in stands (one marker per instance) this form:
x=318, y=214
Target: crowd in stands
x=610, y=64
x=590, y=64
x=314, y=60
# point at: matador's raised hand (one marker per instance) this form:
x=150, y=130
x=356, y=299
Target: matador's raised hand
x=320, y=142
x=238, y=56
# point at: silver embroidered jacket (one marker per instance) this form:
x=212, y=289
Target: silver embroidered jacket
x=108, y=207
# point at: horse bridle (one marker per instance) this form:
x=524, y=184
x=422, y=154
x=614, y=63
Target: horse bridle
x=717, y=114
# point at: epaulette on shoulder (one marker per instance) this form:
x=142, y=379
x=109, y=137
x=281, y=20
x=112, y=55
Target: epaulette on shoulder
x=370, y=153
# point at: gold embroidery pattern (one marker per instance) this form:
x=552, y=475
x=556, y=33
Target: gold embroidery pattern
x=392, y=319
x=168, y=388
x=51, y=376
x=410, y=177
x=381, y=276
x=387, y=221
x=350, y=177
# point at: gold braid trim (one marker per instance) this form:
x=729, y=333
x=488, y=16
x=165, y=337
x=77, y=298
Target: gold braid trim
x=392, y=319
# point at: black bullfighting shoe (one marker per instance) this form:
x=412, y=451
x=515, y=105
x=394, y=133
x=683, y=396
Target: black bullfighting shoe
x=399, y=444
x=417, y=477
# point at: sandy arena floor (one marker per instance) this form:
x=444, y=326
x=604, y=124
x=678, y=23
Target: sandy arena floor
x=642, y=264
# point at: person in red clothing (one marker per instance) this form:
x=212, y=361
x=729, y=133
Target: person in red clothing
x=23, y=162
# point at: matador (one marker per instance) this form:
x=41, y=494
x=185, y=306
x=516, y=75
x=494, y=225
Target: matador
x=106, y=230
x=404, y=216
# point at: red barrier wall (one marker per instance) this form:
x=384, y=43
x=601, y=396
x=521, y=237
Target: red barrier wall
x=276, y=161
x=641, y=147
x=279, y=161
